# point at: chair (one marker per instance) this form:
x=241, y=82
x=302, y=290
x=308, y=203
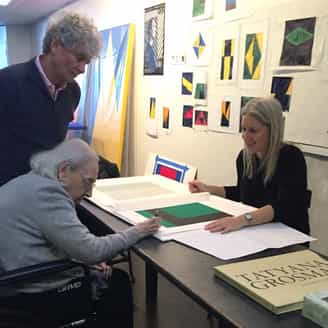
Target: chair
x=18, y=310
x=107, y=169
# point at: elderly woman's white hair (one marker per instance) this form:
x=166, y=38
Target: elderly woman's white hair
x=267, y=111
x=74, y=152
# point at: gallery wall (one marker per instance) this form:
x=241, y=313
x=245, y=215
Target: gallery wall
x=19, y=46
x=214, y=153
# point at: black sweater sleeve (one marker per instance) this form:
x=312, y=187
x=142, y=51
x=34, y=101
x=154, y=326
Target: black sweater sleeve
x=286, y=192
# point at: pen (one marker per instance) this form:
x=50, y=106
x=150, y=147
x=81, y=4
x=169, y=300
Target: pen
x=156, y=213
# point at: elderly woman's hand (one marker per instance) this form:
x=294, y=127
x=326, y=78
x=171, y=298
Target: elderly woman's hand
x=149, y=226
x=104, y=268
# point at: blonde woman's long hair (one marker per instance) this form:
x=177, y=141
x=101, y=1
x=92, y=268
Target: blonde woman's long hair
x=267, y=111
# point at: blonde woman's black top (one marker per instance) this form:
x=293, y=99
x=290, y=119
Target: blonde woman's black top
x=286, y=192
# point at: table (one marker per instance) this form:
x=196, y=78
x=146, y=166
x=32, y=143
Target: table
x=192, y=271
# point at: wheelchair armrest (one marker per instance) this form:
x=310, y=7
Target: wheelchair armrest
x=37, y=270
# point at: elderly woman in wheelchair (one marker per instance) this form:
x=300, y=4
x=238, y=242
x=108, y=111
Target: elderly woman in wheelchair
x=40, y=230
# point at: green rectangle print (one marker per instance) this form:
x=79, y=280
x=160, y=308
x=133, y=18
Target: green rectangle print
x=190, y=210
x=200, y=91
x=180, y=215
x=150, y=213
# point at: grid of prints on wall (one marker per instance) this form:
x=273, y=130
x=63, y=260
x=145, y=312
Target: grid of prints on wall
x=200, y=47
x=200, y=87
x=228, y=56
x=254, y=39
x=187, y=83
x=194, y=89
x=282, y=89
x=225, y=116
x=152, y=108
x=225, y=111
x=298, y=42
x=240, y=56
x=187, y=116
x=154, y=37
x=202, y=9
x=151, y=122
x=195, y=117
x=166, y=119
x=199, y=53
x=200, y=118
x=195, y=83
x=159, y=118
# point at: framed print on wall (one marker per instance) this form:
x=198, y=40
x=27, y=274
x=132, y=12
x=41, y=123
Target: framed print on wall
x=202, y=9
x=227, y=54
x=154, y=29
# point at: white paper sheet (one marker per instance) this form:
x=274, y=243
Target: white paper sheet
x=112, y=192
x=152, y=127
x=137, y=190
x=243, y=242
x=225, y=246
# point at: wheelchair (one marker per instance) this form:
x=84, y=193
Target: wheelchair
x=52, y=308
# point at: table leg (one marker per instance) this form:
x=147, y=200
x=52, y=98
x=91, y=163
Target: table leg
x=151, y=284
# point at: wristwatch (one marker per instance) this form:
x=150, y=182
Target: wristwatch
x=248, y=218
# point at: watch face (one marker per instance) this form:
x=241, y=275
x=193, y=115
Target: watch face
x=249, y=217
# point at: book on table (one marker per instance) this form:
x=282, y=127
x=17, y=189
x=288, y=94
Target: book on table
x=316, y=307
x=278, y=282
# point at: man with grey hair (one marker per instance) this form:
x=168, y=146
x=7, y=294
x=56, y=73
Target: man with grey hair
x=38, y=98
x=39, y=221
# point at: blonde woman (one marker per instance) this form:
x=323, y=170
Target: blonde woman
x=272, y=175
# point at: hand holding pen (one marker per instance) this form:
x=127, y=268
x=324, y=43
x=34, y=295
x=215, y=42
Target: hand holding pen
x=151, y=225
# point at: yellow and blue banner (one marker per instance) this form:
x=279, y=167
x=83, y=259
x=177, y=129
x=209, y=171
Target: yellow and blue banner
x=113, y=70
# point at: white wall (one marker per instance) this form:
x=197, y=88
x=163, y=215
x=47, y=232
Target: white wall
x=37, y=32
x=19, y=43
x=213, y=153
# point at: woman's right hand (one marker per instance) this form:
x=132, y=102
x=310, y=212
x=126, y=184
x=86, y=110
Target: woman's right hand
x=197, y=186
x=149, y=226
